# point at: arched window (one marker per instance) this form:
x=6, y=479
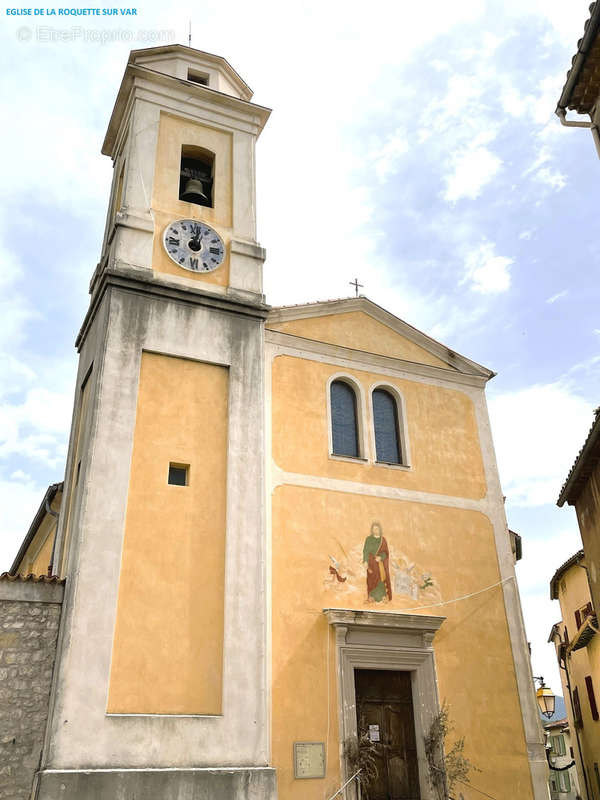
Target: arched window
x=344, y=423
x=387, y=433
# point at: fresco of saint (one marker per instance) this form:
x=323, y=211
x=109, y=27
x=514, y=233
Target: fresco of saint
x=376, y=555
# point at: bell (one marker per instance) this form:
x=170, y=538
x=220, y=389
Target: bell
x=194, y=193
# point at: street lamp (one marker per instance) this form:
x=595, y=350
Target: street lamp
x=545, y=698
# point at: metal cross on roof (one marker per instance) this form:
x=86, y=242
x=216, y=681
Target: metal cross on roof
x=356, y=285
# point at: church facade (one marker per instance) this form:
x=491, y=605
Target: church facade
x=282, y=529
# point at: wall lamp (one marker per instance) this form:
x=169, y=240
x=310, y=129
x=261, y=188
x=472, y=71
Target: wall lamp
x=545, y=698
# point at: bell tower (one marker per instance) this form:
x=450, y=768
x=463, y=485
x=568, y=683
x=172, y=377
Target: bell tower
x=182, y=137
x=160, y=684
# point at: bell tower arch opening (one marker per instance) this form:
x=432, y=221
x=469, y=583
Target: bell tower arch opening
x=196, y=175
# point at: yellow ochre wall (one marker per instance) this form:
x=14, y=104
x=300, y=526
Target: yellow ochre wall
x=359, y=331
x=36, y=559
x=442, y=431
x=449, y=552
x=40, y=565
x=174, y=132
x=168, y=642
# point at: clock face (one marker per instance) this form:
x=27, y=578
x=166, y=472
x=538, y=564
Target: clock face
x=193, y=245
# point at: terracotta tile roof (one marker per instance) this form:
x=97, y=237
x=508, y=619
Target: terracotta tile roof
x=6, y=576
x=556, y=723
x=561, y=571
x=587, y=458
x=582, y=86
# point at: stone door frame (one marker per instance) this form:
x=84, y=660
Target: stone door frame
x=392, y=641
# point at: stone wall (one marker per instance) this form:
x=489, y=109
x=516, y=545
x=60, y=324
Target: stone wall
x=29, y=617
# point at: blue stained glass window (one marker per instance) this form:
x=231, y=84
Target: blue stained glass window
x=344, y=427
x=385, y=418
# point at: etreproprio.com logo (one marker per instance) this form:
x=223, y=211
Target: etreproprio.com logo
x=46, y=33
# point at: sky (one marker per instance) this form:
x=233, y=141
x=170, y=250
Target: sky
x=420, y=142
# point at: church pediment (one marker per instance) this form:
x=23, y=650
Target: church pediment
x=360, y=324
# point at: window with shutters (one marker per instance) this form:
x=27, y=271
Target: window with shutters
x=344, y=420
x=388, y=424
x=583, y=612
x=591, y=697
x=557, y=745
x=560, y=781
x=577, y=708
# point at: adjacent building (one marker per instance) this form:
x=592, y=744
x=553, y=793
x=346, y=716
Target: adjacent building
x=564, y=784
x=582, y=490
x=582, y=87
x=577, y=645
x=281, y=529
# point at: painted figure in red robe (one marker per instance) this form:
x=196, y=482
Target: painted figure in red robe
x=376, y=555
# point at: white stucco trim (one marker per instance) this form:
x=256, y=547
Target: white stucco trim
x=346, y=358
x=268, y=511
x=280, y=477
x=361, y=416
x=208, y=770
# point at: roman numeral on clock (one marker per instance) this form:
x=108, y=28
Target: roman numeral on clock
x=194, y=263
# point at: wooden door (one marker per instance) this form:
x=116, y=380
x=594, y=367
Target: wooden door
x=384, y=711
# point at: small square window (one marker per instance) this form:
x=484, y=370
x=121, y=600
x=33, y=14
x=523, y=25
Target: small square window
x=198, y=77
x=178, y=474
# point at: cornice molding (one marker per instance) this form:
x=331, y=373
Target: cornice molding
x=397, y=620
x=144, y=282
x=175, y=90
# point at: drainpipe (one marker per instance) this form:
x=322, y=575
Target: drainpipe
x=55, y=515
x=571, y=123
x=566, y=671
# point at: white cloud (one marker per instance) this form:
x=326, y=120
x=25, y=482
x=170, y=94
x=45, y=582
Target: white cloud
x=558, y=296
x=19, y=475
x=542, y=555
x=552, y=178
x=386, y=159
x=474, y=168
x=538, y=432
x=36, y=427
x=488, y=273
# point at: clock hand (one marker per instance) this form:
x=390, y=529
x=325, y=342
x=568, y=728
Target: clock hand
x=195, y=242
